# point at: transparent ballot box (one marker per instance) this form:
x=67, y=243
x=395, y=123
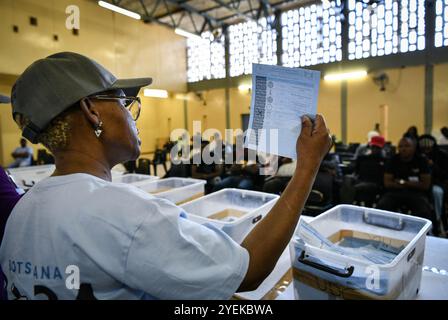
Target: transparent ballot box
x=234, y=211
x=352, y=252
x=133, y=178
x=26, y=177
x=177, y=190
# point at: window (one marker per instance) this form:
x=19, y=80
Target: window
x=412, y=31
x=441, y=25
x=312, y=35
x=374, y=29
x=206, y=57
x=251, y=42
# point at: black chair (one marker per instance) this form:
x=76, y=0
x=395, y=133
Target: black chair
x=347, y=160
x=144, y=166
x=321, y=195
x=159, y=158
x=352, y=147
x=182, y=170
x=340, y=147
x=276, y=185
x=131, y=166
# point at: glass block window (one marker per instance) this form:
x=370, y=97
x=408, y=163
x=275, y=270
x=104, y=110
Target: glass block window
x=312, y=35
x=389, y=27
x=251, y=42
x=412, y=31
x=441, y=25
x=206, y=57
x=373, y=30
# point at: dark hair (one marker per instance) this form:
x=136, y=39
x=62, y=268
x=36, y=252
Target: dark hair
x=412, y=131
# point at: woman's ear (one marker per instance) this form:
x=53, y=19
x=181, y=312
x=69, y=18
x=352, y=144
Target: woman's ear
x=90, y=112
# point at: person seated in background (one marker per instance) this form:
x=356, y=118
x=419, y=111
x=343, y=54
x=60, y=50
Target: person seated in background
x=412, y=133
x=364, y=148
x=369, y=172
x=22, y=155
x=375, y=132
x=206, y=171
x=438, y=164
x=407, y=181
x=126, y=243
x=242, y=175
x=278, y=182
x=375, y=146
x=443, y=139
x=330, y=165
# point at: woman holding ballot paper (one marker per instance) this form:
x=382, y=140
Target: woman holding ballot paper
x=121, y=242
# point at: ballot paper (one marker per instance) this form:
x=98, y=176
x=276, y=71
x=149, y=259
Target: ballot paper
x=371, y=251
x=280, y=97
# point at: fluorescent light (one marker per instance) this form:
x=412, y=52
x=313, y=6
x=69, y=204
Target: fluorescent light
x=245, y=87
x=182, y=96
x=112, y=7
x=155, y=93
x=187, y=34
x=345, y=75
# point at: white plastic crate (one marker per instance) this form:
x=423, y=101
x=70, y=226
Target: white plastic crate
x=177, y=190
x=322, y=273
x=234, y=211
x=133, y=178
x=26, y=177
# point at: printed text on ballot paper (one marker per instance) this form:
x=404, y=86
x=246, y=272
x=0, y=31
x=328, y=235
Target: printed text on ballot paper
x=280, y=97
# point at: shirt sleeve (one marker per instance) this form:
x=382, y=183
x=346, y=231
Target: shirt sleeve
x=171, y=257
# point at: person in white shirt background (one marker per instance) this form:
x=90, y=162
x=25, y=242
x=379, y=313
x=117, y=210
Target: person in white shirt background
x=124, y=243
x=22, y=155
x=443, y=138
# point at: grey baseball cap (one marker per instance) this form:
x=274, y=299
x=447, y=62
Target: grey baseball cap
x=50, y=86
x=4, y=99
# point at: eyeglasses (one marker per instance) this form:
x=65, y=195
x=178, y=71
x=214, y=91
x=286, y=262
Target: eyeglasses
x=132, y=104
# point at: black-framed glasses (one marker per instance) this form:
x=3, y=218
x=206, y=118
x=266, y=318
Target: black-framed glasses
x=132, y=104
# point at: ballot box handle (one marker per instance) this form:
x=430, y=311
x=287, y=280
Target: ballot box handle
x=343, y=274
x=383, y=221
x=256, y=219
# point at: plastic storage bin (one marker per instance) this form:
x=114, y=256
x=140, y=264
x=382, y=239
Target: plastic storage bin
x=234, y=211
x=177, y=190
x=133, y=178
x=26, y=177
x=325, y=274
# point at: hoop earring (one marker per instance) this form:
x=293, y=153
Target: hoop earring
x=98, y=129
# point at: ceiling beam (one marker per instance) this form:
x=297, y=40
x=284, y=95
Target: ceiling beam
x=273, y=7
x=192, y=9
x=235, y=11
x=168, y=13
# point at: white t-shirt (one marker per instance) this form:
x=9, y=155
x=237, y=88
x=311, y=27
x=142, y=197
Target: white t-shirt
x=442, y=140
x=24, y=161
x=126, y=243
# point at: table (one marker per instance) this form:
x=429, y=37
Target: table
x=434, y=283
